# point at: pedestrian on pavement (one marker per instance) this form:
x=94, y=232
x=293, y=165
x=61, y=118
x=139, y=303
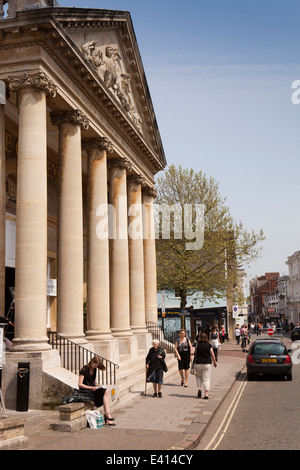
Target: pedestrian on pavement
x=154, y=365
x=237, y=334
x=243, y=336
x=214, y=341
x=183, y=350
x=204, y=357
x=222, y=334
x=87, y=385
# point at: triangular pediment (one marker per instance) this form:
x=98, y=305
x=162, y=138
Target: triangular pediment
x=97, y=52
x=107, y=42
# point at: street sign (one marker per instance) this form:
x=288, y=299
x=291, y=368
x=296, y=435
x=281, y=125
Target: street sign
x=238, y=311
x=270, y=331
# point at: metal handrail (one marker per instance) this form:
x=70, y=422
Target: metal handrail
x=165, y=337
x=74, y=356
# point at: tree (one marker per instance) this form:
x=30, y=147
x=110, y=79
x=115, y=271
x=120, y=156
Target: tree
x=193, y=206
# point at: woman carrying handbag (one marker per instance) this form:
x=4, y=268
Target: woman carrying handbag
x=203, y=358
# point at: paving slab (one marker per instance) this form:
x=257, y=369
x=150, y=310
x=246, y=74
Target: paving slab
x=174, y=422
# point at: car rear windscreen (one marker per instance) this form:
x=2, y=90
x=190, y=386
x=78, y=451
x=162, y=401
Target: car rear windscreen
x=268, y=348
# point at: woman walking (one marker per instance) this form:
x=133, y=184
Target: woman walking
x=154, y=365
x=204, y=357
x=214, y=341
x=183, y=349
x=87, y=384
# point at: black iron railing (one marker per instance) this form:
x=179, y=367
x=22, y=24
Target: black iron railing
x=74, y=356
x=166, y=337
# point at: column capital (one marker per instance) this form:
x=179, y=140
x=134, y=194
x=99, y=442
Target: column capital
x=120, y=163
x=101, y=143
x=150, y=191
x=40, y=81
x=75, y=117
x=138, y=179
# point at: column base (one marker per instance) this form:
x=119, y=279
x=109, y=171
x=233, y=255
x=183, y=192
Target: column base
x=30, y=344
x=98, y=335
x=78, y=339
x=120, y=332
x=139, y=329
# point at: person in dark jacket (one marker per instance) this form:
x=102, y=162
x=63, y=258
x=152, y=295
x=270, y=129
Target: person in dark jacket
x=154, y=367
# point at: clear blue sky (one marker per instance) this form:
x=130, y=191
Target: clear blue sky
x=220, y=74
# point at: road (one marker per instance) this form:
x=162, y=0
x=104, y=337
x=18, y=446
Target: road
x=263, y=414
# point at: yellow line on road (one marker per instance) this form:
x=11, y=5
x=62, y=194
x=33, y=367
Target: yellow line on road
x=232, y=407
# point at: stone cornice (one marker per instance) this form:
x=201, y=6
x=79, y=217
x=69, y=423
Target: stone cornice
x=40, y=81
x=75, y=117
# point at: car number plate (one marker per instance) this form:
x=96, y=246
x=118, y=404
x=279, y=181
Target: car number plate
x=269, y=360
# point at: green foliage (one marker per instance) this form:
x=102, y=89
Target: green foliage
x=227, y=246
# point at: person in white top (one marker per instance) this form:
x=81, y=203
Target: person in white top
x=237, y=334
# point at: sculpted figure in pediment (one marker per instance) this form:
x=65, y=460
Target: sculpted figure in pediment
x=93, y=54
x=107, y=62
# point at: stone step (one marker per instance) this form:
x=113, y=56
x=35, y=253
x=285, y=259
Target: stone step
x=133, y=388
x=133, y=377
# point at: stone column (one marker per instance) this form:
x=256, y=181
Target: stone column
x=136, y=255
x=149, y=256
x=98, y=302
x=2, y=211
x=119, y=290
x=31, y=225
x=70, y=225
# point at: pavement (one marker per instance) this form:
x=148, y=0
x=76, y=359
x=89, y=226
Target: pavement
x=174, y=422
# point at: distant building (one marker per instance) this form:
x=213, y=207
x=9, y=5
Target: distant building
x=293, y=303
x=271, y=305
x=284, y=311
x=260, y=287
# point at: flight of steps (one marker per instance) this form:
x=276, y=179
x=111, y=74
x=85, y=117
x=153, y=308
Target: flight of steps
x=131, y=378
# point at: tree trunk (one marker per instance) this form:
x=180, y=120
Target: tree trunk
x=182, y=307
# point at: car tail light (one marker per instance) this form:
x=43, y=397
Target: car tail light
x=287, y=360
x=250, y=359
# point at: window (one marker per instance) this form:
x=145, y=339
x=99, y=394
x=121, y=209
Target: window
x=268, y=348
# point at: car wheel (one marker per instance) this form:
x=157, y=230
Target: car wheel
x=289, y=376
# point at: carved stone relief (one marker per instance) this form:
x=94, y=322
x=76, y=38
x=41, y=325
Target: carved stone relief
x=107, y=62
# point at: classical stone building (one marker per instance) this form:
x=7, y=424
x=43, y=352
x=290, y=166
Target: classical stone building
x=79, y=148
